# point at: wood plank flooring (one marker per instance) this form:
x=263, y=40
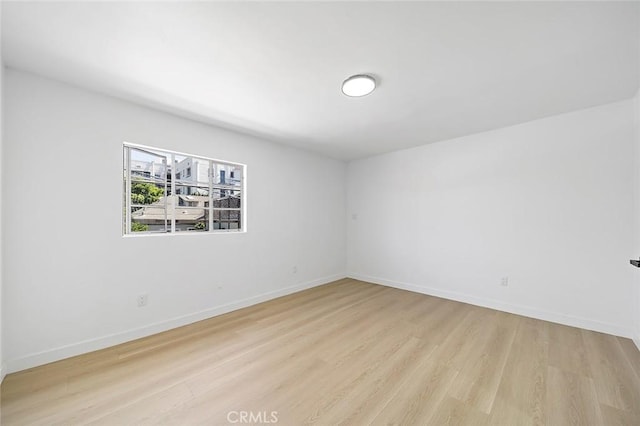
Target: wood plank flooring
x=347, y=353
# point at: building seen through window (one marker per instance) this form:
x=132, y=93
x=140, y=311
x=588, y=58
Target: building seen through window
x=169, y=192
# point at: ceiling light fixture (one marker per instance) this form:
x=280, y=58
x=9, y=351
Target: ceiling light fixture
x=358, y=85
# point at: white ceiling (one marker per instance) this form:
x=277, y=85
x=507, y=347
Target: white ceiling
x=274, y=69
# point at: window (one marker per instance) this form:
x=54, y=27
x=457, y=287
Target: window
x=169, y=192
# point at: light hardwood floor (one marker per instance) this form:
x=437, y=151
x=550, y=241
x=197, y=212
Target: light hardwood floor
x=348, y=353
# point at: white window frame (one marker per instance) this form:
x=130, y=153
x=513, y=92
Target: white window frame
x=170, y=188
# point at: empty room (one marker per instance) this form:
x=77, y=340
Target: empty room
x=355, y=213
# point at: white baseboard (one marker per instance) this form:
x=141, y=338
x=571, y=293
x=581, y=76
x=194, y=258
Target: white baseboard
x=526, y=311
x=67, y=351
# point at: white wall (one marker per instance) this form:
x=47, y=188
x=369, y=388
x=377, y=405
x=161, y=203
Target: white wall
x=71, y=279
x=547, y=203
x=637, y=209
x=2, y=366
x=636, y=217
x=636, y=213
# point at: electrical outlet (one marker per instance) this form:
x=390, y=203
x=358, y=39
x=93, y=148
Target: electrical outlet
x=142, y=300
x=504, y=282
x=295, y=270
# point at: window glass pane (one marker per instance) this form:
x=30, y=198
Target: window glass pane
x=192, y=170
x=226, y=219
x=226, y=199
x=192, y=219
x=147, y=193
x=148, y=219
x=124, y=203
x=192, y=201
x=226, y=174
x=199, y=190
x=146, y=165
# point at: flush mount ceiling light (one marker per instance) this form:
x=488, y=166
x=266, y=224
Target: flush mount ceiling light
x=358, y=85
